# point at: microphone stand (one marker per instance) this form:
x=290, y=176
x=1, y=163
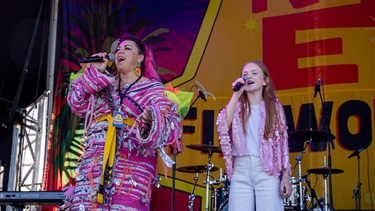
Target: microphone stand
x=329, y=139
x=192, y=196
x=357, y=192
x=194, y=102
x=174, y=150
x=200, y=95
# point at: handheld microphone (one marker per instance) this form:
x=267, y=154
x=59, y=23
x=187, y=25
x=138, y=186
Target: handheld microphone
x=110, y=57
x=240, y=85
x=355, y=153
x=317, y=87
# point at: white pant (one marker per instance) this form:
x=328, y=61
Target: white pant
x=252, y=189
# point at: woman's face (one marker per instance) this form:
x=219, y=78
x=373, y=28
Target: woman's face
x=256, y=77
x=127, y=56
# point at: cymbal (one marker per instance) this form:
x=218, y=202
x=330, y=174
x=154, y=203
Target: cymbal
x=195, y=169
x=204, y=148
x=324, y=171
x=313, y=135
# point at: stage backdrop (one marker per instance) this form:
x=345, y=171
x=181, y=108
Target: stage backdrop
x=201, y=44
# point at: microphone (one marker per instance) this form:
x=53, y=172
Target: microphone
x=317, y=87
x=240, y=85
x=355, y=153
x=201, y=94
x=110, y=57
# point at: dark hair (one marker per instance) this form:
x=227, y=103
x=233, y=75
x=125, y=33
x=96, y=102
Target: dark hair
x=148, y=66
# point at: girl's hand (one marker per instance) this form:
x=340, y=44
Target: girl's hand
x=285, y=187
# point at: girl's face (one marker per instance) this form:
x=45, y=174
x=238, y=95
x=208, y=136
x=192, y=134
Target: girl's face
x=127, y=56
x=256, y=77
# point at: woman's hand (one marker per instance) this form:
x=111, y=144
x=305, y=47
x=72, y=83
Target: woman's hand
x=146, y=116
x=100, y=66
x=285, y=187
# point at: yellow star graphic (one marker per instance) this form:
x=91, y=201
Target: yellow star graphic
x=250, y=24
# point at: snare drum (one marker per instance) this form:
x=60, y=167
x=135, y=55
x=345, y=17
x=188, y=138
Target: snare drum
x=293, y=201
x=293, y=180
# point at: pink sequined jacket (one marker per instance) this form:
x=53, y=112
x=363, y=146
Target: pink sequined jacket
x=274, y=151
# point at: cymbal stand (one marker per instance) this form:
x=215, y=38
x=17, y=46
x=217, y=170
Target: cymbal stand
x=208, y=182
x=299, y=174
x=192, y=195
x=325, y=192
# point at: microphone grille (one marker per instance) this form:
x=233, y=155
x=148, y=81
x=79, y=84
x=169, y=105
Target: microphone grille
x=245, y=78
x=111, y=57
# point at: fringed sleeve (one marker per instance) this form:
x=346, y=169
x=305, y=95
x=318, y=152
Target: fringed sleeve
x=164, y=129
x=90, y=82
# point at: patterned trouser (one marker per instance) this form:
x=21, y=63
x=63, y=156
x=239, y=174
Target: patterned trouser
x=128, y=187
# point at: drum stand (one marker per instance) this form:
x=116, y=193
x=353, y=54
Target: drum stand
x=192, y=195
x=313, y=196
x=325, y=172
x=209, y=182
x=208, y=168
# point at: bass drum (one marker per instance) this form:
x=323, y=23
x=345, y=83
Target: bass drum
x=221, y=195
x=224, y=206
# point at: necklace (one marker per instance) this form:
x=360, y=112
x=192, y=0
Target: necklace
x=122, y=95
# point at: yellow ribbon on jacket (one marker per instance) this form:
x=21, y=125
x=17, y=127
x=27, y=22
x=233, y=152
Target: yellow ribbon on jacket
x=109, y=150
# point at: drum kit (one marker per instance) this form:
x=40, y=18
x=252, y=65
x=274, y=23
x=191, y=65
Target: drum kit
x=299, y=197
x=219, y=196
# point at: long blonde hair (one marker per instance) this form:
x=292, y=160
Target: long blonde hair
x=269, y=100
